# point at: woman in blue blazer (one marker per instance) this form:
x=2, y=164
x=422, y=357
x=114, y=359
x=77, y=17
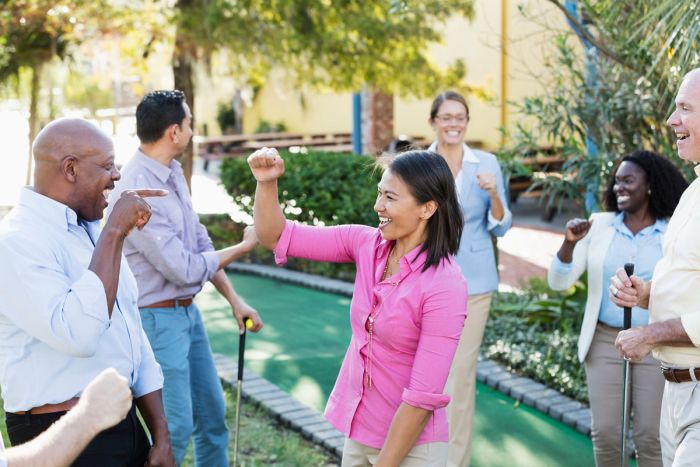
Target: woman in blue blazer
x=482, y=197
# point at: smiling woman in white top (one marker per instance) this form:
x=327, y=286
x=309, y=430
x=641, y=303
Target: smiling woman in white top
x=641, y=196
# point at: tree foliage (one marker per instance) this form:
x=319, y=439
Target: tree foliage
x=337, y=44
x=641, y=50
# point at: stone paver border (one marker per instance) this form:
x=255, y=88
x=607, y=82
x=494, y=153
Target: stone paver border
x=312, y=425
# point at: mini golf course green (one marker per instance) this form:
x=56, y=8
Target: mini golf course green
x=301, y=347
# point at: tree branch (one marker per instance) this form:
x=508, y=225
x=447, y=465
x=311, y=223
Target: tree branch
x=581, y=29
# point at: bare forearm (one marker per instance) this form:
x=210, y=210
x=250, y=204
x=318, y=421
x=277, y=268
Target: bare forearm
x=106, y=262
x=225, y=288
x=58, y=446
x=267, y=214
x=230, y=254
x=497, y=210
x=151, y=408
x=406, y=427
x=566, y=251
x=670, y=333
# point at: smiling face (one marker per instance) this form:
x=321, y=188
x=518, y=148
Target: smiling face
x=685, y=119
x=631, y=188
x=450, y=123
x=94, y=179
x=401, y=218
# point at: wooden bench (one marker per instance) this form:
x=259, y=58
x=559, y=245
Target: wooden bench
x=219, y=147
x=541, y=167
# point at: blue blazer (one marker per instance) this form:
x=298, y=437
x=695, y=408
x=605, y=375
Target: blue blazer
x=476, y=257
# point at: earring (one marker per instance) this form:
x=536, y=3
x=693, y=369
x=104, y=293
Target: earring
x=649, y=191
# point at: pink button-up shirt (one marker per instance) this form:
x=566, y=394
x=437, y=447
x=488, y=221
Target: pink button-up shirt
x=416, y=332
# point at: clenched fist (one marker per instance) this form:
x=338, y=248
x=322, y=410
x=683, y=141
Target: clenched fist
x=266, y=164
x=131, y=210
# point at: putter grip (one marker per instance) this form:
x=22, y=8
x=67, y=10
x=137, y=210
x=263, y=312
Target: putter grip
x=629, y=270
x=241, y=351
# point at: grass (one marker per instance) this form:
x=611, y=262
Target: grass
x=262, y=441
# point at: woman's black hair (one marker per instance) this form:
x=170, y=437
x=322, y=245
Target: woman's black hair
x=429, y=178
x=666, y=183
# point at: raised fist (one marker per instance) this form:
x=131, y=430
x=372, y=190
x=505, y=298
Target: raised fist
x=266, y=164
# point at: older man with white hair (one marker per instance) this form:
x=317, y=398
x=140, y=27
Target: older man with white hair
x=673, y=333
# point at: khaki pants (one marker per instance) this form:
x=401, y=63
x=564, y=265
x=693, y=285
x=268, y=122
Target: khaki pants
x=423, y=455
x=461, y=383
x=680, y=425
x=604, y=376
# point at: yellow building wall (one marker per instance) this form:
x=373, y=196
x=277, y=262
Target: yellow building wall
x=531, y=24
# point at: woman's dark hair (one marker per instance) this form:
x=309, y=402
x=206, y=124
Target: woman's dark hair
x=156, y=112
x=429, y=178
x=447, y=96
x=666, y=183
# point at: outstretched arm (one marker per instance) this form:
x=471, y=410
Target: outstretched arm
x=267, y=166
x=104, y=403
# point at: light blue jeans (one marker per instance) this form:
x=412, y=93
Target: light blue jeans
x=192, y=394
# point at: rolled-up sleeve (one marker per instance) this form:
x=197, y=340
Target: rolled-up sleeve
x=149, y=377
x=442, y=320
x=68, y=315
x=337, y=244
x=691, y=324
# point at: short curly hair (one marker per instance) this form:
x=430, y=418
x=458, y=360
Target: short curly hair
x=666, y=183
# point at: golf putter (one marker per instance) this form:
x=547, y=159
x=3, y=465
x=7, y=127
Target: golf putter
x=239, y=383
x=627, y=323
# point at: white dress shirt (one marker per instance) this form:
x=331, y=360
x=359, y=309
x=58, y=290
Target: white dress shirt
x=55, y=331
x=676, y=280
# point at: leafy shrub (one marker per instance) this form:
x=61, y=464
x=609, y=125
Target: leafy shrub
x=318, y=188
x=535, y=334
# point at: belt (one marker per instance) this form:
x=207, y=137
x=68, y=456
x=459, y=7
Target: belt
x=680, y=375
x=174, y=303
x=51, y=408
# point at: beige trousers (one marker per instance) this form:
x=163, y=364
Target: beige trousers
x=604, y=377
x=423, y=455
x=680, y=424
x=461, y=383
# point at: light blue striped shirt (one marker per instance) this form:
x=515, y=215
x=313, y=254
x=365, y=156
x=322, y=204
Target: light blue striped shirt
x=172, y=257
x=55, y=330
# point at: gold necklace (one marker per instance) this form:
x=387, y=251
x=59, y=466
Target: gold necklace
x=376, y=310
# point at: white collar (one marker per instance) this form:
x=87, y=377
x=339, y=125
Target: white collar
x=467, y=153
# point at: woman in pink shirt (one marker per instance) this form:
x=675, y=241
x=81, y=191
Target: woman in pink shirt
x=407, y=311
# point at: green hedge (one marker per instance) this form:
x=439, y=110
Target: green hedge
x=318, y=188
x=535, y=334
